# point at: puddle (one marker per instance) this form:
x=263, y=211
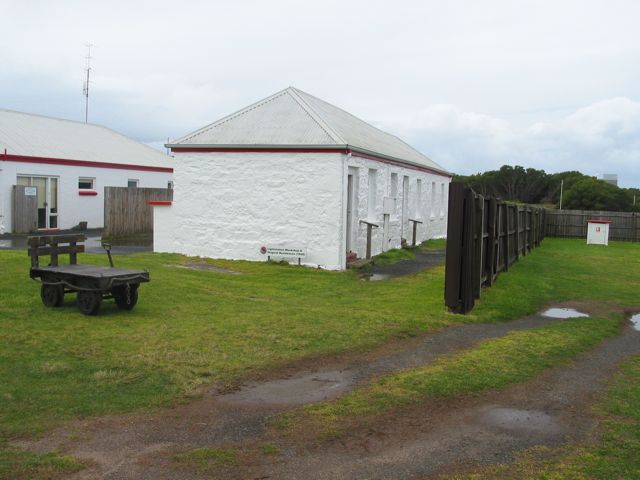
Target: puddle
x=310, y=388
x=375, y=277
x=563, y=313
x=515, y=419
x=635, y=321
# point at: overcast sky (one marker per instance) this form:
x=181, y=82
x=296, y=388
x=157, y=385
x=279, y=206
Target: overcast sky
x=472, y=84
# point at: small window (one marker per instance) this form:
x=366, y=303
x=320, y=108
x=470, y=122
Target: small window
x=394, y=185
x=86, y=183
x=373, y=193
x=132, y=183
x=170, y=185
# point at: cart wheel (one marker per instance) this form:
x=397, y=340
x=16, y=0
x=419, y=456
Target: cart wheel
x=126, y=300
x=89, y=302
x=52, y=295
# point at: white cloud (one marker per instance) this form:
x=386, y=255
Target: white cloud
x=603, y=137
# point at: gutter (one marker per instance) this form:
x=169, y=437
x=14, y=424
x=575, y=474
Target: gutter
x=356, y=151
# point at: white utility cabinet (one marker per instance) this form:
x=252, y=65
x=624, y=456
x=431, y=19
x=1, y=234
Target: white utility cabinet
x=598, y=232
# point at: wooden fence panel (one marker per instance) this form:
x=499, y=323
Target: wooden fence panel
x=625, y=226
x=127, y=210
x=484, y=237
x=25, y=209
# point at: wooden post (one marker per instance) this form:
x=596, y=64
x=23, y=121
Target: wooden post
x=370, y=227
x=415, y=226
x=490, y=259
x=453, y=265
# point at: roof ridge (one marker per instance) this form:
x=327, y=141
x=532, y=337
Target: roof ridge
x=231, y=116
x=315, y=115
x=49, y=117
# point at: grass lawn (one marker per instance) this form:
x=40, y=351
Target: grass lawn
x=615, y=456
x=492, y=364
x=198, y=327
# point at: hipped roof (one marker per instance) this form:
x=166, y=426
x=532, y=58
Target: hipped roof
x=292, y=118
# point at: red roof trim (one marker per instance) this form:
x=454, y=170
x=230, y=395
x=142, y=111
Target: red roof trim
x=398, y=163
x=355, y=153
x=87, y=192
x=160, y=202
x=599, y=221
x=257, y=149
x=81, y=163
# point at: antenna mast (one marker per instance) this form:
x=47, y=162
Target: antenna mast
x=85, y=90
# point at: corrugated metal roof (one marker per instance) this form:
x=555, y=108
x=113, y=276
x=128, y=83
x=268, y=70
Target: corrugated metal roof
x=295, y=118
x=40, y=136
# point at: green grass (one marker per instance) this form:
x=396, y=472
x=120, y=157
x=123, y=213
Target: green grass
x=198, y=327
x=394, y=256
x=492, y=364
x=615, y=455
x=203, y=459
x=17, y=464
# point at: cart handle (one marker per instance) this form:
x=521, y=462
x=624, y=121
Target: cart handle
x=107, y=247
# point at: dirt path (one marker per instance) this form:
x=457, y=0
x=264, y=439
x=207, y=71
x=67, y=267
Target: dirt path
x=427, y=440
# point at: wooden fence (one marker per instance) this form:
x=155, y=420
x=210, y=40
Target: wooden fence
x=573, y=223
x=127, y=211
x=484, y=237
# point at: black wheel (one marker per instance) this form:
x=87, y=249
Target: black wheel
x=89, y=302
x=52, y=295
x=126, y=296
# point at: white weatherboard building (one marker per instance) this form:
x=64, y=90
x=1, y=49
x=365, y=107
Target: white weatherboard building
x=64, y=166
x=294, y=172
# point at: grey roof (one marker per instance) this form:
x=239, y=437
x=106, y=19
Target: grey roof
x=39, y=136
x=293, y=118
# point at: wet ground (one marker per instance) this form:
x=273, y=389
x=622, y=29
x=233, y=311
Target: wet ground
x=427, y=440
x=423, y=260
x=93, y=244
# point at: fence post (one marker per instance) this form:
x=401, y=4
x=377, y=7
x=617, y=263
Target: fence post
x=453, y=266
x=490, y=260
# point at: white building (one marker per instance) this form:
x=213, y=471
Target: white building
x=65, y=165
x=293, y=171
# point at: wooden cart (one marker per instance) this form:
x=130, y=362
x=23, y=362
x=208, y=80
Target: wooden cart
x=91, y=283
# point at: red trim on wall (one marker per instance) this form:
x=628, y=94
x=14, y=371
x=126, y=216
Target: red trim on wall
x=355, y=153
x=160, y=202
x=82, y=163
x=259, y=150
x=87, y=192
x=599, y=221
x=398, y=163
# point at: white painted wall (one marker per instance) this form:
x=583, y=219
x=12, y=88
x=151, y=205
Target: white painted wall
x=432, y=213
x=228, y=205
x=73, y=208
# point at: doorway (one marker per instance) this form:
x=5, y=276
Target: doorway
x=47, y=198
x=349, y=210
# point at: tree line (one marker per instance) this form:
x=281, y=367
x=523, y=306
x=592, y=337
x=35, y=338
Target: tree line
x=529, y=185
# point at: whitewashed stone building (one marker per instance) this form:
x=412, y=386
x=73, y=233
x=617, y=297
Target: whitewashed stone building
x=294, y=172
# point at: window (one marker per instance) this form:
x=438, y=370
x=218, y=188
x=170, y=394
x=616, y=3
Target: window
x=393, y=191
x=170, y=185
x=419, y=198
x=373, y=191
x=433, y=199
x=86, y=183
x=132, y=183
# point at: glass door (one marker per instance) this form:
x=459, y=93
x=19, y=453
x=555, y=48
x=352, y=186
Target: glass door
x=47, y=198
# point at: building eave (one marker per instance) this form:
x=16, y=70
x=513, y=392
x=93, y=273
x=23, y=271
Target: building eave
x=356, y=151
